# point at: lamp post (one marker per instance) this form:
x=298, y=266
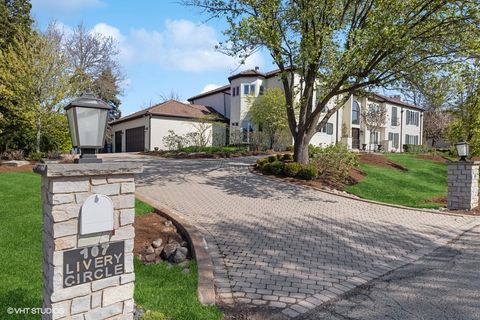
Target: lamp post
x=87, y=120
x=463, y=150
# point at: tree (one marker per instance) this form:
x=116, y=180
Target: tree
x=91, y=55
x=374, y=117
x=340, y=47
x=465, y=124
x=14, y=20
x=435, y=125
x=269, y=115
x=35, y=83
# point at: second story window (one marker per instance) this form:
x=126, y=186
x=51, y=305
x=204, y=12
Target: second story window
x=355, y=112
x=249, y=89
x=394, y=120
x=413, y=117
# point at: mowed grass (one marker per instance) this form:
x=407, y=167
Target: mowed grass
x=424, y=181
x=166, y=291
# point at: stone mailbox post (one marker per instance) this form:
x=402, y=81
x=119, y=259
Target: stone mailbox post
x=88, y=270
x=463, y=185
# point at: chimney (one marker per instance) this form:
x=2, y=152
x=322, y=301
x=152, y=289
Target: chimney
x=396, y=97
x=257, y=68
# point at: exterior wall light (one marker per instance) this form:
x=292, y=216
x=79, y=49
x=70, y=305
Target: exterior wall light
x=463, y=150
x=87, y=120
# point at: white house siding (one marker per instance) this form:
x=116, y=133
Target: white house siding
x=130, y=124
x=160, y=127
x=219, y=101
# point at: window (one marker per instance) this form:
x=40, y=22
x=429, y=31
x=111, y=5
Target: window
x=355, y=113
x=246, y=89
x=413, y=117
x=409, y=139
x=261, y=90
x=328, y=128
x=374, y=137
x=394, y=120
x=394, y=137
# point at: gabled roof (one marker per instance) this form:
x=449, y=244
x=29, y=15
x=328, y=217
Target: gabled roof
x=394, y=100
x=207, y=93
x=175, y=109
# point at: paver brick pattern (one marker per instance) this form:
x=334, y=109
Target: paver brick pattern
x=288, y=246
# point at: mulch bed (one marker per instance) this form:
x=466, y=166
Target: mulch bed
x=431, y=157
x=150, y=227
x=26, y=168
x=380, y=160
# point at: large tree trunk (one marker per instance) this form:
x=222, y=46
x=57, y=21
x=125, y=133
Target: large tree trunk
x=300, y=148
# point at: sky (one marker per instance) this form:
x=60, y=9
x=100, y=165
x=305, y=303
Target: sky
x=163, y=46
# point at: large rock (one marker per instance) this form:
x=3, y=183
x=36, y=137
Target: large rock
x=149, y=250
x=150, y=257
x=179, y=256
x=170, y=249
x=157, y=243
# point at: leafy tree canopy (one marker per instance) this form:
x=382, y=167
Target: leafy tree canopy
x=339, y=47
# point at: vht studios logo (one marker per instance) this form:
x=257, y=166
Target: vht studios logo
x=93, y=263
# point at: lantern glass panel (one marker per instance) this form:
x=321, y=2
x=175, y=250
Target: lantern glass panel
x=462, y=149
x=71, y=125
x=91, y=125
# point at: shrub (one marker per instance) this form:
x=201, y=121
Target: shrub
x=54, y=155
x=267, y=167
x=291, y=169
x=272, y=158
x=313, y=150
x=287, y=157
x=12, y=155
x=289, y=148
x=334, y=163
x=37, y=156
x=414, y=148
x=279, y=157
x=308, y=172
x=277, y=167
x=261, y=162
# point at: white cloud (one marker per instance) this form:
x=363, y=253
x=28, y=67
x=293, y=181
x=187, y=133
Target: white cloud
x=210, y=87
x=182, y=45
x=66, y=6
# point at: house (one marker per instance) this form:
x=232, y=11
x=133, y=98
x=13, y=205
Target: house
x=144, y=130
x=403, y=125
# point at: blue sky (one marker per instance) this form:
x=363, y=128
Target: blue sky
x=163, y=46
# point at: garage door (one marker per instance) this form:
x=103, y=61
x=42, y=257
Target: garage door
x=135, y=139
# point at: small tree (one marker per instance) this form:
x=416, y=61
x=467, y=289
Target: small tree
x=435, y=125
x=374, y=117
x=268, y=113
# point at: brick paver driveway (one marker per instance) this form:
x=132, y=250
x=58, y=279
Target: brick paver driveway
x=288, y=246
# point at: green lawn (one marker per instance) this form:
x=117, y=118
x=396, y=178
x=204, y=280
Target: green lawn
x=416, y=187
x=166, y=291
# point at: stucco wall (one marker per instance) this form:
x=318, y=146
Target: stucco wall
x=129, y=125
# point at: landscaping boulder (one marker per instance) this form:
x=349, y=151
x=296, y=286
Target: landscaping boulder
x=157, y=243
x=170, y=249
x=179, y=256
x=149, y=250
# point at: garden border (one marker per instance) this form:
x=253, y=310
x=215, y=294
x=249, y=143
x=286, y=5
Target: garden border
x=206, y=284
x=353, y=197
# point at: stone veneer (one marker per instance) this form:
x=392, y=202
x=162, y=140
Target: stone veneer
x=463, y=185
x=64, y=189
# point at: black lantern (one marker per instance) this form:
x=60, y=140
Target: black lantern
x=463, y=150
x=87, y=120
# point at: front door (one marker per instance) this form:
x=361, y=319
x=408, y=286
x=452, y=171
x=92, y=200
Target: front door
x=118, y=141
x=355, y=138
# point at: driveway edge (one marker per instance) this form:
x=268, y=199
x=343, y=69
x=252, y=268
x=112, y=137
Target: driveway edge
x=353, y=197
x=206, y=285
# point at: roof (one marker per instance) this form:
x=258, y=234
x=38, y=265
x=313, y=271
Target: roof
x=394, y=100
x=207, y=93
x=175, y=109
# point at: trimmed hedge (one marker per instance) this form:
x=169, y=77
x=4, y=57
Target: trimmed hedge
x=289, y=169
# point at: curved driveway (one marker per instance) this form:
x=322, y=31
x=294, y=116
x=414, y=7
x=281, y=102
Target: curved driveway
x=287, y=246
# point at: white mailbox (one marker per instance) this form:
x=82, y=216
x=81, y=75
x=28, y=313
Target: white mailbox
x=96, y=215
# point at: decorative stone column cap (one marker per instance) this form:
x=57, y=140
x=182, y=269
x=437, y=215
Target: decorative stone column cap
x=468, y=162
x=87, y=169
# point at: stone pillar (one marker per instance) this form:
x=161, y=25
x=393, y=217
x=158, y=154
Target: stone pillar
x=101, y=285
x=463, y=185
